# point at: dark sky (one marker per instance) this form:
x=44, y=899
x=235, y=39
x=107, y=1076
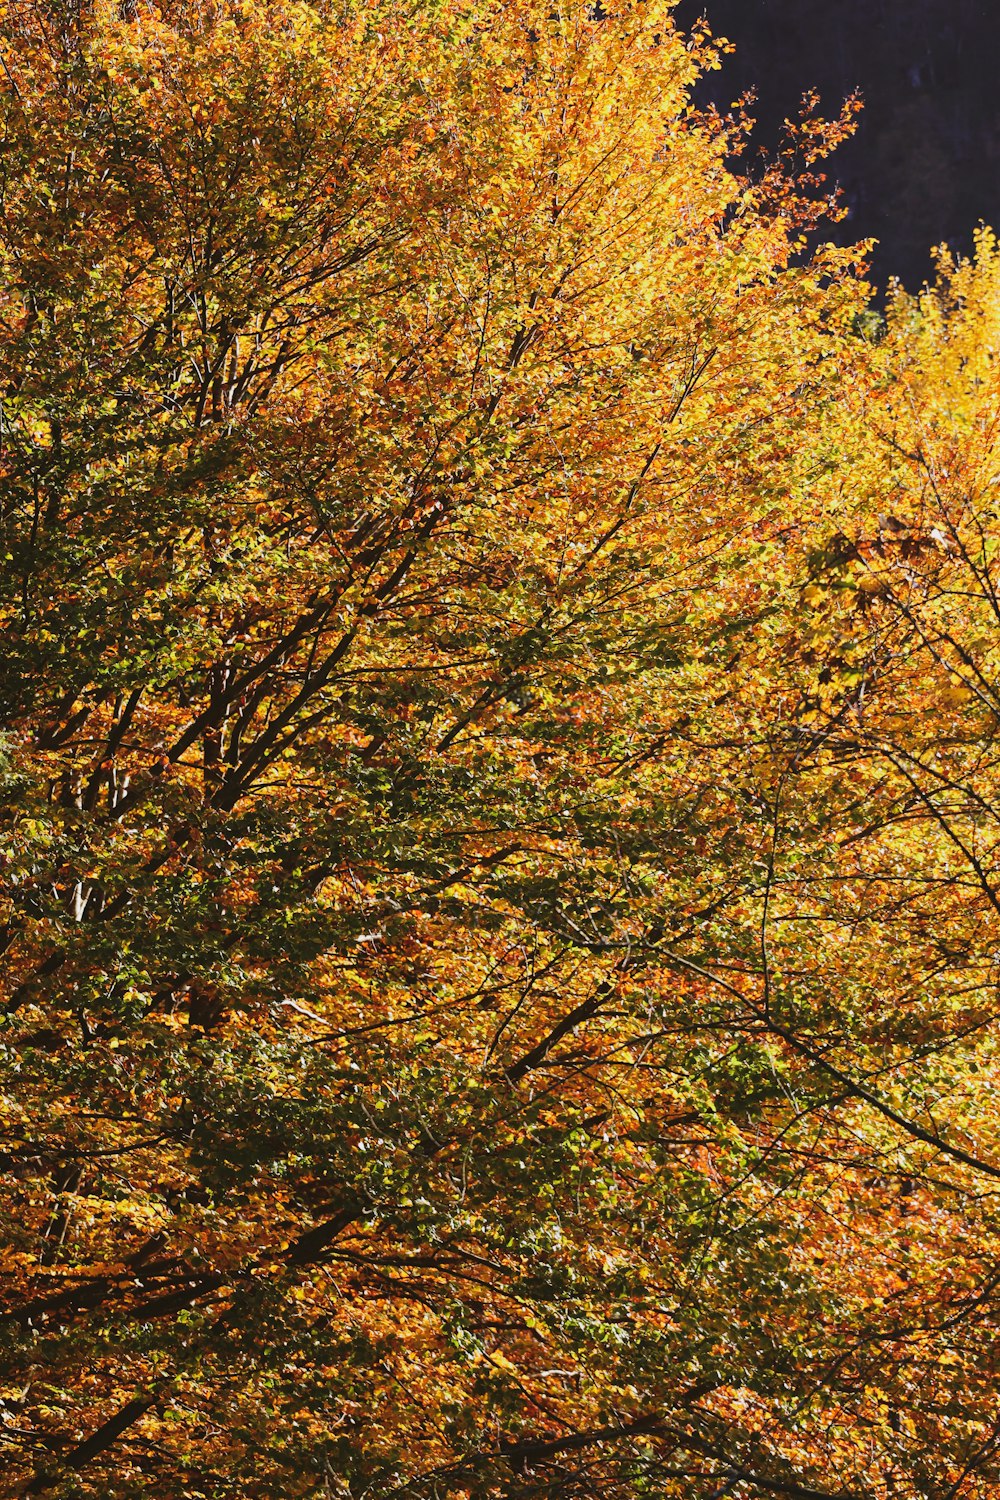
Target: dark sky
x=924, y=166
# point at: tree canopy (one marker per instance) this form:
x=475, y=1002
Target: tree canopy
x=501, y=822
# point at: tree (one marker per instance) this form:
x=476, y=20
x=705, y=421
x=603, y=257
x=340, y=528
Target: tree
x=457, y=1040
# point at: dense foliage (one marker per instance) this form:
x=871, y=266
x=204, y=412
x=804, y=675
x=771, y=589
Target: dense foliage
x=500, y=828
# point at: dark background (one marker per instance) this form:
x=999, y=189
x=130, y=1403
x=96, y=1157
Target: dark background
x=924, y=166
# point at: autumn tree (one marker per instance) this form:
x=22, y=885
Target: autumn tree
x=483, y=1014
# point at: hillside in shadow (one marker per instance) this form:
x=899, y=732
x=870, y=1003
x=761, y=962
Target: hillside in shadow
x=924, y=165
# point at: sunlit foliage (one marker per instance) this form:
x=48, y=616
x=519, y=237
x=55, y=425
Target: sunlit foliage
x=500, y=835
